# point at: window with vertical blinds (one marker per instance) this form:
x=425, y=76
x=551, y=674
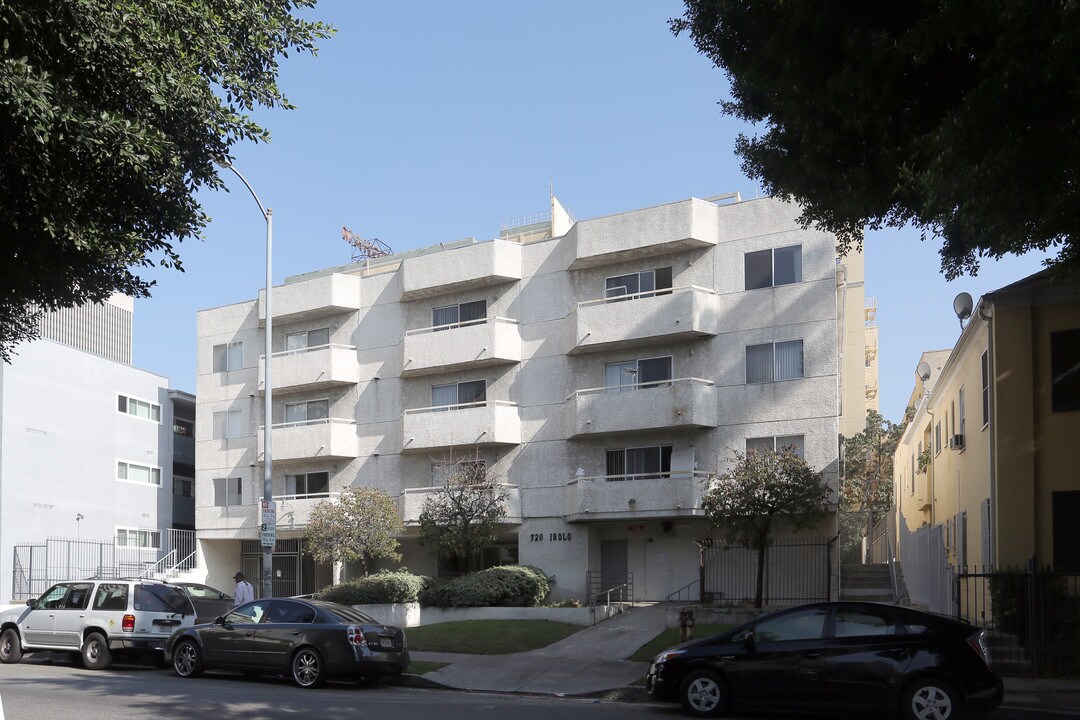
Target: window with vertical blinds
x=770, y=362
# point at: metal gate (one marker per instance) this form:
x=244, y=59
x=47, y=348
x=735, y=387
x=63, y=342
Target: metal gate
x=796, y=571
x=295, y=573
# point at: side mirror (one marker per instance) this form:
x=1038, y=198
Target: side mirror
x=32, y=603
x=220, y=620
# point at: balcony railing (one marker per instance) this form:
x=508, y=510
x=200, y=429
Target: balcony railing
x=322, y=439
x=294, y=511
x=312, y=368
x=411, y=503
x=645, y=318
x=460, y=346
x=680, y=404
x=492, y=422
x=639, y=495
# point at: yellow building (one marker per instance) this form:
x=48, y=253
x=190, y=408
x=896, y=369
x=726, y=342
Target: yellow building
x=986, y=473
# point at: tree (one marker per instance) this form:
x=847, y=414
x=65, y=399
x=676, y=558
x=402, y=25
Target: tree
x=112, y=115
x=866, y=482
x=955, y=118
x=761, y=490
x=463, y=515
x=361, y=524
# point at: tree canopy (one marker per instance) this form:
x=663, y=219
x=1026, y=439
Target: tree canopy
x=362, y=524
x=463, y=515
x=762, y=490
x=112, y=114
x=866, y=482
x=959, y=119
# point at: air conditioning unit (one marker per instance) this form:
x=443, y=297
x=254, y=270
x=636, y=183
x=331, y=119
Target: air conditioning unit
x=956, y=442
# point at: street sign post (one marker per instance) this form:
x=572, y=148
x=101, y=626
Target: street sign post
x=268, y=529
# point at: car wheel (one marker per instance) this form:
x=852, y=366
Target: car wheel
x=704, y=694
x=10, y=649
x=930, y=699
x=96, y=654
x=187, y=659
x=308, y=669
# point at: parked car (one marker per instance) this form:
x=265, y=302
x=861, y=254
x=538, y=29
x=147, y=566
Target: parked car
x=209, y=602
x=309, y=640
x=97, y=619
x=847, y=657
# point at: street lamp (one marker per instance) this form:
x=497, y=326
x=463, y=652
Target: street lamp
x=268, y=458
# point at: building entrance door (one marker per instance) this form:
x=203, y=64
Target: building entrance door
x=613, y=566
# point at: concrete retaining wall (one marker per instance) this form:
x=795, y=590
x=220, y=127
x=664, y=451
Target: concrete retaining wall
x=411, y=614
x=716, y=616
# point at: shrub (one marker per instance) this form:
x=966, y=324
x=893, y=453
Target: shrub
x=381, y=588
x=504, y=586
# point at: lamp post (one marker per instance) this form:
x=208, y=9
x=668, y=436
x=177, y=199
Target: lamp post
x=268, y=458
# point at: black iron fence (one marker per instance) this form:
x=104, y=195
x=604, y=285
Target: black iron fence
x=1032, y=617
x=796, y=571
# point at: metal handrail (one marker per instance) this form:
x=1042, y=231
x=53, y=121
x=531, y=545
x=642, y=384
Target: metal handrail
x=459, y=406
x=647, y=294
x=461, y=324
x=154, y=569
x=312, y=348
x=677, y=595
x=639, y=386
x=665, y=474
x=316, y=421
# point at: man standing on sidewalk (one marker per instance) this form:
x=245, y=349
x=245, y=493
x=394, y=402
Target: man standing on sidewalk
x=244, y=592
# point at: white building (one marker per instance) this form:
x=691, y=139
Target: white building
x=601, y=369
x=87, y=445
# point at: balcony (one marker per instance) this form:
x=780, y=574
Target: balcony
x=313, y=368
x=462, y=268
x=308, y=299
x=228, y=521
x=682, y=404
x=461, y=346
x=294, y=511
x=325, y=439
x=681, y=313
x=411, y=502
x=469, y=425
x=674, y=227
x=632, y=497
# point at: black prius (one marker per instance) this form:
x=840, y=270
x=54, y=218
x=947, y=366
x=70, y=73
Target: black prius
x=840, y=657
x=308, y=640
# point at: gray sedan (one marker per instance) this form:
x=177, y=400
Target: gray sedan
x=310, y=640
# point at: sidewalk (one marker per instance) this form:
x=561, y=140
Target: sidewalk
x=592, y=663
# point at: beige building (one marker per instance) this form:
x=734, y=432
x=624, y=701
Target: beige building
x=985, y=473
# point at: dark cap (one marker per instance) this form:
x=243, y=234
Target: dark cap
x=238, y=575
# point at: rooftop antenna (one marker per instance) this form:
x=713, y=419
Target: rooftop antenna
x=363, y=249
x=962, y=306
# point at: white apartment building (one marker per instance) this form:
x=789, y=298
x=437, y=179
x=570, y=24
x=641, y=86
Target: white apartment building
x=602, y=370
x=87, y=449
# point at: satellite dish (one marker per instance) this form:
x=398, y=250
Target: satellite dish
x=962, y=306
x=923, y=371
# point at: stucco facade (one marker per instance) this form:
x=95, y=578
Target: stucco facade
x=555, y=320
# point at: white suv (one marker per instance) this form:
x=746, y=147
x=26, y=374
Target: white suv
x=97, y=618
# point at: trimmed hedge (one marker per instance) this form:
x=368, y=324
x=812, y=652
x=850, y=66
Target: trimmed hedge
x=503, y=586
x=382, y=588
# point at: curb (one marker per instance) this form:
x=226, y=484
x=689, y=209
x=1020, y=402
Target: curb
x=634, y=695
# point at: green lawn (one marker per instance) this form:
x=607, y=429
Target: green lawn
x=419, y=667
x=670, y=637
x=487, y=637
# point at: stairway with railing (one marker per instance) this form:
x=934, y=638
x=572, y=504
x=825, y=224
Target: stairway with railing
x=606, y=591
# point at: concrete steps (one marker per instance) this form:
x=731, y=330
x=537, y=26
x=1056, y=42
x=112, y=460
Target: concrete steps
x=868, y=583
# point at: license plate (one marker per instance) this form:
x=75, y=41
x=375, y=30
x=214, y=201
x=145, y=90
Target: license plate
x=386, y=642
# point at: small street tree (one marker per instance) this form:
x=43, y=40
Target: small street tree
x=463, y=516
x=362, y=524
x=866, y=479
x=764, y=489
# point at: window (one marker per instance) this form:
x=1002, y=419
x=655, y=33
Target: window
x=798, y=625
x=1065, y=370
x=629, y=375
x=442, y=471
x=642, y=284
x=138, y=408
x=183, y=486
x=133, y=537
x=469, y=313
x=463, y=393
x=300, y=341
x=864, y=623
x=912, y=473
x=228, y=491
x=775, y=444
x=644, y=463
x=143, y=474
x=228, y=357
x=248, y=614
x=769, y=268
x=111, y=596
x=985, y=389
x=315, y=484
x=228, y=424
x=937, y=437
x=774, y=361
x=306, y=412
x=963, y=413
x=283, y=611
x=183, y=427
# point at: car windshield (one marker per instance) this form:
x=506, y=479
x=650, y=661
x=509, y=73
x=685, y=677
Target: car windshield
x=162, y=598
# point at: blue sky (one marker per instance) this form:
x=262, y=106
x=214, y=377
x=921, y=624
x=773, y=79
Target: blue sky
x=424, y=122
